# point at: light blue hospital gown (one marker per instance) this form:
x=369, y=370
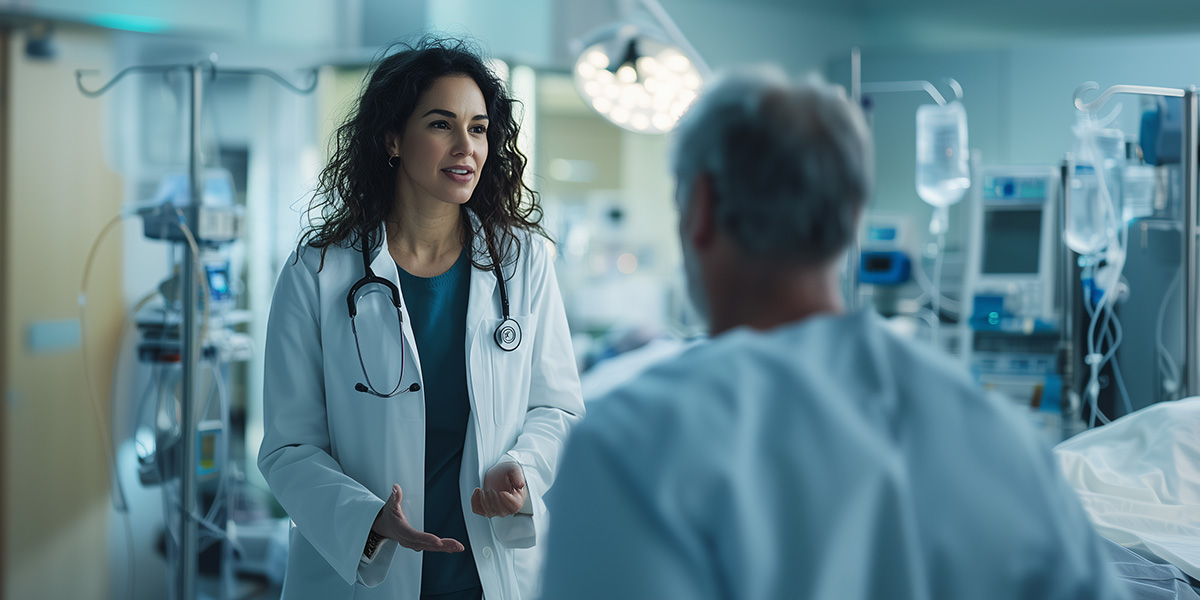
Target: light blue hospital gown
x=822, y=459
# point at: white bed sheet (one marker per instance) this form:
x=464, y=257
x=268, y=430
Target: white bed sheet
x=1139, y=480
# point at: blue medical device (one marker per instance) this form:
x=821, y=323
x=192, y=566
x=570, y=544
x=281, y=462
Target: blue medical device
x=1161, y=132
x=883, y=259
x=888, y=267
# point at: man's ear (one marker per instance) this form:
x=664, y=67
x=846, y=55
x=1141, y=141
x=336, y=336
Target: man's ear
x=701, y=210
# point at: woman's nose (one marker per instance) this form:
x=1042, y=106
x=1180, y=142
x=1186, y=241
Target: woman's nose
x=463, y=144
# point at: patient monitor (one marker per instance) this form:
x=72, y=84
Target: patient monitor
x=1011, y=285
x=1013, y=279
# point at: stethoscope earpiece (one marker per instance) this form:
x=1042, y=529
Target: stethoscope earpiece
x=508, y=335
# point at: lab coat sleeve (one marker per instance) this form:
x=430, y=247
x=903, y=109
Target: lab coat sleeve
x=612, y=536
x=333, y=512
x=555, y=400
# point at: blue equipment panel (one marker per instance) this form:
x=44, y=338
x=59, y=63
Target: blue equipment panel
x=1018, y=189
x=889, y=267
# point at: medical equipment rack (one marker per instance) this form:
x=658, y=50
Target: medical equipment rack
x=190, y=220
x=1191, y=210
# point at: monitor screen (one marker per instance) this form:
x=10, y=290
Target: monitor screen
x=218, y=282
x=1011, y=241
x=878, y=263
x=881, y=234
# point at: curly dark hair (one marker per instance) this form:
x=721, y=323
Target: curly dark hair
x=356, y=190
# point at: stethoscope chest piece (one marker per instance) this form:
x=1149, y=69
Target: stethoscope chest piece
x=508, y=334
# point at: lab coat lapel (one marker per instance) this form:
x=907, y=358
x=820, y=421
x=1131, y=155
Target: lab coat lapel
x=385, y=267
x=481, y=306
x=483, y=284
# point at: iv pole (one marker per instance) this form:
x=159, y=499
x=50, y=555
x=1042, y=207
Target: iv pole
x=1191, y=210
x=189, y=344
x=857, y=90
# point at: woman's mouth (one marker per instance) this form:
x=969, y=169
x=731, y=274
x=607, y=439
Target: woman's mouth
x=459, y=174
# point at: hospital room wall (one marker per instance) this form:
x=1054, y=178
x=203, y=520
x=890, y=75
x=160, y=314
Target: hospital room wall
x=797, y=36
x=59, y=193
x=1018, y=101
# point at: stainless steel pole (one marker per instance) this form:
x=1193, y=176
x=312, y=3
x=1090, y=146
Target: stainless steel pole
x=856, y=75
x=1191, y=137
x=854, y=254
x=190, y=347
x=1066, y=299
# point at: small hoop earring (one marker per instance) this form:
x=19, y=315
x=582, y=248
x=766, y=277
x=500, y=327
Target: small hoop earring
x=394, y=161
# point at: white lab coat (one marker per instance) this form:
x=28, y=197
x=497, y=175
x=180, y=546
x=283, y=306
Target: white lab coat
x=821, y=459
x=331, y=454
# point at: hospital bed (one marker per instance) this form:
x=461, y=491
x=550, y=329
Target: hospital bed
x=1139, y=480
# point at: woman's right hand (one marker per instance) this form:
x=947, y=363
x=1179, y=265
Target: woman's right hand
x=392, y=524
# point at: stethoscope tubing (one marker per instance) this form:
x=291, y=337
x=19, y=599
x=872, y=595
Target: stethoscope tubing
x=507, y=334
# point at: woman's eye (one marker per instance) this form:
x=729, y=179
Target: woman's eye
x=440, y=125
x=479, y=129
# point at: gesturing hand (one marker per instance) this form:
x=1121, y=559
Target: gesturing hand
x=391, y=523
x=503, y=491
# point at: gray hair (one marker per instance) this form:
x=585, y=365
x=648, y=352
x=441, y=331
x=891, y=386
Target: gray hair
x=790, y=163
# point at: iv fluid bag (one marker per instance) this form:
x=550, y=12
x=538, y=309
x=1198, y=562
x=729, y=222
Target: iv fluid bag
x=1086, y=231
x=942, y=171
x=1091, y=213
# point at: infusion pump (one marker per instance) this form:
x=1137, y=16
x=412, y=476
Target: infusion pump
x=1012, y=273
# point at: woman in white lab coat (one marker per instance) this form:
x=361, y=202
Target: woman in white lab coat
x=419, y=377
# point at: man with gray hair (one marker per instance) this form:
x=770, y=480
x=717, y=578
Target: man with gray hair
x=803, y=452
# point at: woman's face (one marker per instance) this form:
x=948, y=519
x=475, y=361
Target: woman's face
x=444, y=143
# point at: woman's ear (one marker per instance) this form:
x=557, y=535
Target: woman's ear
x=392, y=139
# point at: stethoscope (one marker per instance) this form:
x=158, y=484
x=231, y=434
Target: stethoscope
x=507, y=334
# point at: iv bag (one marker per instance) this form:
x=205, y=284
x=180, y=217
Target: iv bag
x=1086, y=231
x=942, y=171
x=1095, y=197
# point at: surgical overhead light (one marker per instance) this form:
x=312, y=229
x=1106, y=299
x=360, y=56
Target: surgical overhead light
x=634, y=77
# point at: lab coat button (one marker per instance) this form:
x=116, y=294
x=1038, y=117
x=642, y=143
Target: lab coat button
x=487, y=552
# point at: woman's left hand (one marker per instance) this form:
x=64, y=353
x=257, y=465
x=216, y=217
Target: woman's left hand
x=503, y=491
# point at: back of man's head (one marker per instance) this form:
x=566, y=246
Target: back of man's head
x=790, y=163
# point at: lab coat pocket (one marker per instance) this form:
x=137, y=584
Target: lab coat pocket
x=511, y=373
x=515, y=531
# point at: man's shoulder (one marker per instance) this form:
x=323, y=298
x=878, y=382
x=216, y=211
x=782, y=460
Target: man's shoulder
x=822, y=373
x=698, y=389
x=663, y=400
x=697, y=367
